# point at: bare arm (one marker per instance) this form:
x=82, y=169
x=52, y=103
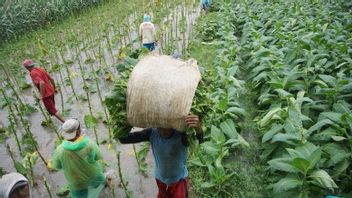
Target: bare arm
x=53, y=83
x=194, y=122
x=41, y=88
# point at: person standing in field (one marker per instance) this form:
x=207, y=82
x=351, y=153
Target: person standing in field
x=205, y=5
x=147, y=33
x=46, y=87
x=170, y=155
x=78, y=157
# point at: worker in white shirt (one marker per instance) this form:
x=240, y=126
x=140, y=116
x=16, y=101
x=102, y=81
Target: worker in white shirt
x=147, y=33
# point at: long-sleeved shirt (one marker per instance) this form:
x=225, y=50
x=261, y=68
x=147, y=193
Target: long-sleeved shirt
x=147, y=31
x=170, y=154
x=39, y=74
x=79, y=161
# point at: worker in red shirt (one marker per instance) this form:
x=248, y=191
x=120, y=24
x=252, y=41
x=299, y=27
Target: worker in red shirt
x=46, y=86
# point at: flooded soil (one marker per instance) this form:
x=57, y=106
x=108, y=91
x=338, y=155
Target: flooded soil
x=102, y=63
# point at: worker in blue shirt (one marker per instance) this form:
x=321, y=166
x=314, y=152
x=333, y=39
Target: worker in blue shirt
x=169, y=148
x=206, y=5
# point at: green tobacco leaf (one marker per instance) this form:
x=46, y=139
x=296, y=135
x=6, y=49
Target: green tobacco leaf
x=243, y=141
x=333, y=148
x=223, y=104
x=228, y=127
x=342, y=107
x=323, y=179
x=207, y=185
x=290, y=127
x=314, y=158
x=90, y=121
x=20, y=168
x=283, y=164
x=287, y=138
x=321, y=83
x=337, y=138
x=341, y=167
x=282, y=93
x=210, y=148
x=325, y=135
x=236, y=110
x=275, y=128
x=318, y=125
x=287, y=183
x=337, y=158
x=328, y=79
x=306, y=150
x=267, y=118
x=217, y=135
x=197, y=162
x=336, y=117
x=301, y=164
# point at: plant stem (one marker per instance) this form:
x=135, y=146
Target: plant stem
x=28, y=131
x=135, y=154
x=85, y=87
x=47, y=187
x=69, y=77
x=123, y=182
x=11, y=154
x=12, y=87
x=47, y=118
x=12, y=120
x=31, y=171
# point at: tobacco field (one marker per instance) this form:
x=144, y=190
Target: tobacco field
x=275, y=99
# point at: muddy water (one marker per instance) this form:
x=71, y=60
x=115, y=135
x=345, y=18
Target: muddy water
x=139, y=185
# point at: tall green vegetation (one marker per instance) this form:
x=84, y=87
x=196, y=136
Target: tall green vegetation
x=295, y=57
x=20, y=16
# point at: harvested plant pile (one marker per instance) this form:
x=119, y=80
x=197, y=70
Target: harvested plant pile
x=160, y=91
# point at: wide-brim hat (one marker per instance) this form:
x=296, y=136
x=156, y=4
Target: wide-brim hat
x=69, y=129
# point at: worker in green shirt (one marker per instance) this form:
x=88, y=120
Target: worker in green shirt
x=78, y=157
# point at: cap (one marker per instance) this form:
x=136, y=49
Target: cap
x=28, y=63
x=69, y=128
x=146, y=18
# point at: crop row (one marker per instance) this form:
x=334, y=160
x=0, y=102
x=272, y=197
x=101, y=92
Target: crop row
x=297, y=57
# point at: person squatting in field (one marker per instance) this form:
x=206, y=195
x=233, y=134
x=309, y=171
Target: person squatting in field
x=147, y=33
x=14, y=185
x=170, y=154
x=78, y=157
x=45, y=85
